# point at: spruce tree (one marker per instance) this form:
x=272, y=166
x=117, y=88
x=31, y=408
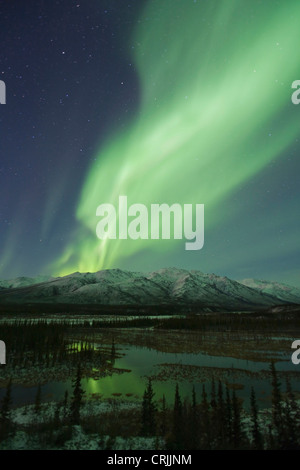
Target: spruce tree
x=6, y=403
x=177, y=419
x=205, y=421
x=213, y=401
x=193, y=425
x=236, y=422
x=228, y=417
x=163, y=417
x=56, y=416
x=5, y=422
x=194, y=403
x=276, y=406
x=220, y=418
x=220, y=396
x=76, y=402
x=289, y=419
x=291, y=396
x=65, y=405
x=257, y=441
x=148, y=411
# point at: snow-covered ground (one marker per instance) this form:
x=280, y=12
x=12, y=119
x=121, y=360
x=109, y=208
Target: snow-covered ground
x=77, y=439
x=80, y=441
x=25, y=417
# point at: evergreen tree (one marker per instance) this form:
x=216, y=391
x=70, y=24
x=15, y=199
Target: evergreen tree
x=220, y=418
x=78, y=394
x=6, y=403
x=270, y=438
x=194, y=403
x=177, y=420
x=291, y=396
x=205, y=421
x=236, y=422
x=228, y=417
x=5, y=422
x=256, y=433
x=289, y=419
x=213, y=401
x=220, y=396
x=56, y=417
x=163, y=417
x=193, y=425
x=148, y=411
x=276, y=405
x=65, y=404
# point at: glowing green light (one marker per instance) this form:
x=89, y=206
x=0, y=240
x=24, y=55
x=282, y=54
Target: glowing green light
x=215, y=79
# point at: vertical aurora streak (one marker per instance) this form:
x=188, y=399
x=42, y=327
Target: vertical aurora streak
x=215, y=77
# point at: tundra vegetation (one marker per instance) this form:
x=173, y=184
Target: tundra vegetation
x=216, y=418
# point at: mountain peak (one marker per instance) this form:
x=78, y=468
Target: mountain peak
x=173, y=286
x=280, y=290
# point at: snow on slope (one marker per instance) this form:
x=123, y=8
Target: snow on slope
x=288, y=294
x=165, y=286
x=23, y=281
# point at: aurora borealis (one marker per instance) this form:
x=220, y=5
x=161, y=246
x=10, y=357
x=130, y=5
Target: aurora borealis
x=181, y=101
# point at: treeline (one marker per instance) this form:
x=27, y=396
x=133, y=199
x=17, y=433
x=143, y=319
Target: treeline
x=127, y=322
x=45, y=344
x=233, y=321
x=98, y=322
x=218, y=421
x=205, y=322
x=215, y=420
x=58, y=427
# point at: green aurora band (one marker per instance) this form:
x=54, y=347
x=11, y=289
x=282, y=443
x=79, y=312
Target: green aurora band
x=215, y=77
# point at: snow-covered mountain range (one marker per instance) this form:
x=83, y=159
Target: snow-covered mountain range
x=163, y=287
x=23, y=281
x=288, y=294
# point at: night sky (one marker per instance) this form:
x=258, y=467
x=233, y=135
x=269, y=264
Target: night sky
x=164, y=101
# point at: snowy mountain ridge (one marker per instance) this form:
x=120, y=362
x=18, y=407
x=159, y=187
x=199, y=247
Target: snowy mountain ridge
x=169, y=286
x=280, y=290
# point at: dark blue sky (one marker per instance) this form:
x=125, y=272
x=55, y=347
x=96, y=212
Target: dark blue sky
x=72, y=84
x=63, y=63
